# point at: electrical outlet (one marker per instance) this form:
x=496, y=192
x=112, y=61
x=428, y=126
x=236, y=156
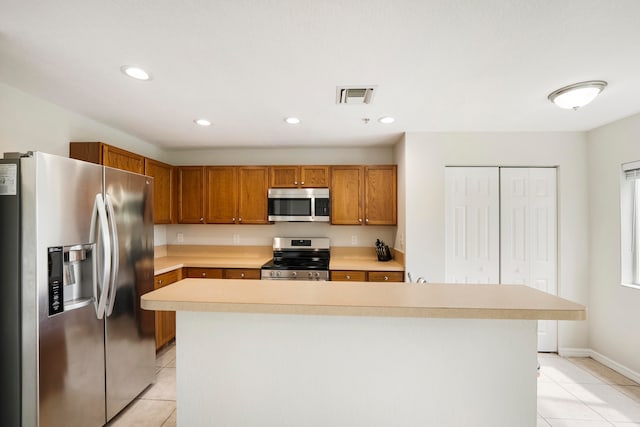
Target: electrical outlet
x=354, y=240
x=180, y=237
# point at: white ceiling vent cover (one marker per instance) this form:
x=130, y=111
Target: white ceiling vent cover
x=355, y=94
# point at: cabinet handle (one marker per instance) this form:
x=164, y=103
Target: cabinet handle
x=159, y=281
x=348, y=277
x=366, y=220
x=204, y=274
x=202, y=220
x=302, y=183
x=242, y=275
x=386, y=277
x=233, y=219
x=295, y=182
x=239, y=219
x=359, y=219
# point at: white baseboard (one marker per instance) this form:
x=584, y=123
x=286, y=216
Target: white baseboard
x=574, y=352
x=610, y=363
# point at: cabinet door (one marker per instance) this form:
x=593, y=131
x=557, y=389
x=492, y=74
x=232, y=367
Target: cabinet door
x=222, y=195
x=163, y=190
x=314, y=176
x=191, y=194
x=284, y=177
x=385, y=276
x=348, y=276
x=253, y=182
x=241, y=273
x=121, y=159
x=380, y=195
x=204, y=273
x=166, y=320
x=346, y=195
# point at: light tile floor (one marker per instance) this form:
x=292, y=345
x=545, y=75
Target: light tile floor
x=572, y=392
x=156, y=406
x=582, y=392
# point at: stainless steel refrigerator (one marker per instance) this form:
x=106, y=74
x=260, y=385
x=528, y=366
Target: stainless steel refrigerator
x=76, y=253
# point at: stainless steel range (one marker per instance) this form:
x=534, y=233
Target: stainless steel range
x=296, y=258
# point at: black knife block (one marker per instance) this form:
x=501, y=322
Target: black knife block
x=383, y=252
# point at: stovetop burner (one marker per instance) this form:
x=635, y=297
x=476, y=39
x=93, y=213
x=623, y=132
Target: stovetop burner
x=298, y=259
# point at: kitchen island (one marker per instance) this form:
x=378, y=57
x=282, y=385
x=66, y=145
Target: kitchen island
x=283, y=353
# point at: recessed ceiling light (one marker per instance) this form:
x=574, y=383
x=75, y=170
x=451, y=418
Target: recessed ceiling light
x=292, y=120
x=386, y=120
x=577, y=95
x=135, y=72
x=202, y=122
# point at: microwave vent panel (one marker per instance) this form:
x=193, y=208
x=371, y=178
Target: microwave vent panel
x=355, y=94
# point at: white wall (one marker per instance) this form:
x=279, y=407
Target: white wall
x=427, y=154
x=614, y=309
x=283, y=156
x=399, y=159
x=30, y=123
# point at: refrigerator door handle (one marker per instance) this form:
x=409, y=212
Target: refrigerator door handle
x=115, y=265
x=99, y=285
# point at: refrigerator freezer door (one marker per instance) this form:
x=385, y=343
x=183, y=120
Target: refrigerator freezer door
x=130, y=331
x=10, y=301
x=67, y=348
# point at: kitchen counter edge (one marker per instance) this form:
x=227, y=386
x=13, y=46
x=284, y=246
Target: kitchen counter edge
x=363, y=299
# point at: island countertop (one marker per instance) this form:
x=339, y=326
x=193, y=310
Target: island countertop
x=363, y=299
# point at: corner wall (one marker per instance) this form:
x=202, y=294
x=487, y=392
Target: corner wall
x=614, y=309
x=427, y=154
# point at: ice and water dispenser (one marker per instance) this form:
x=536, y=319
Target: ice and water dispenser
x=72, y=274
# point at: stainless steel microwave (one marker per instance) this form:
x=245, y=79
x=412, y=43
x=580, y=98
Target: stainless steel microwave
x=299, y=204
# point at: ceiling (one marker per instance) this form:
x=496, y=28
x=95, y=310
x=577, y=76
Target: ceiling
x=439, y=65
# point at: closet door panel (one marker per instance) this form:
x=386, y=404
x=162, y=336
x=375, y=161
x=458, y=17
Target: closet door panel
x=472, y=225
x=529, y=236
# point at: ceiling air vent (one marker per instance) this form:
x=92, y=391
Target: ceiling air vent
x=355, y=94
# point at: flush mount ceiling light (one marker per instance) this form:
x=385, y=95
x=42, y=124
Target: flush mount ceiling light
x=292, y=120
x=577, y=95
x=202, y=122
x=386, y=120
x=135, y=72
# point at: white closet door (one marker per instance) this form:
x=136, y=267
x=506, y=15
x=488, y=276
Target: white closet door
x=472, y=221
x=528, y=242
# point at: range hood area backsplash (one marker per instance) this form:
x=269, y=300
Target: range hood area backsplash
x=262, y=235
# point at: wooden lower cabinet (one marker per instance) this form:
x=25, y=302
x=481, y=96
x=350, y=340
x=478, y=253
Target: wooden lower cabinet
x=166, y=320
x=366, y=276
x=241, y=273
x=385, y=276
x=222, y=273
x=348, y=276
x=203, y=273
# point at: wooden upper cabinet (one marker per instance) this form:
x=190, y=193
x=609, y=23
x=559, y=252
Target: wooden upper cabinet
x=163, y=190
x=346, y=195
x=284, y=177
x=314, y=176
x=222, y=194
x=364, y=195
x=253, y=184
x=299, y=177
x=121, y=159
x=107, y=155
x=191, y=195
x=381, y=195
